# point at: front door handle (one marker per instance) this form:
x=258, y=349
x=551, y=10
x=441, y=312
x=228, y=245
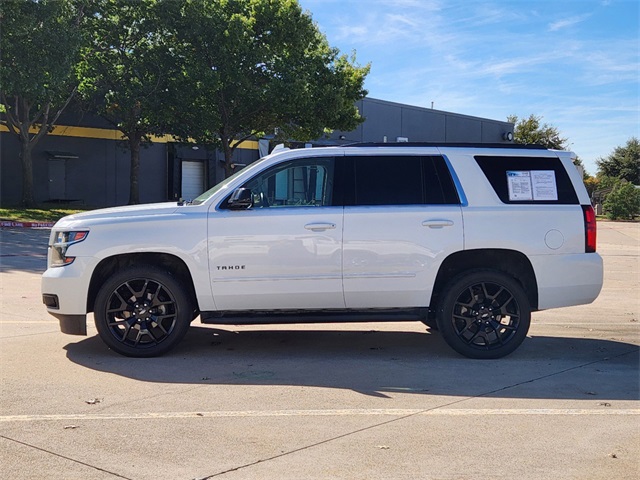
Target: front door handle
x=437, y=223
x=319, y=227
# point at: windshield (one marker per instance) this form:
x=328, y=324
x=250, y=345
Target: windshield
x=223, y=184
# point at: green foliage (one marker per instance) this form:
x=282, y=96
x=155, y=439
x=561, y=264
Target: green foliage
x=216, y=71
x=623, y=203
x=531, y=131
x=39, y=44
x=591, y=184
x=254, y=66
x=124, y=71
x=623, y=162
x=605, y=182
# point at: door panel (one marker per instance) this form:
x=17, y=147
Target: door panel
x=276, y=258
x=286, y=251
x=392, y=253
x=403, y=219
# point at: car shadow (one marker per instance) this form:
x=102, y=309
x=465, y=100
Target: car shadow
x=379, y=363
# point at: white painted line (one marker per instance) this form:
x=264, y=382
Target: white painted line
x=322, y=413
x=570, y=324
x=35, y=322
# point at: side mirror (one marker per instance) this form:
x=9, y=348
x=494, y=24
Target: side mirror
x=240, y=199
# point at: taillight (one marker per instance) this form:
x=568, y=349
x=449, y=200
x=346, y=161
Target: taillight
x=589, y=228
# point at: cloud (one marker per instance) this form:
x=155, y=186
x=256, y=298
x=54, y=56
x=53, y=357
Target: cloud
x=479, y=58
x=567, y=22
x=425, y=5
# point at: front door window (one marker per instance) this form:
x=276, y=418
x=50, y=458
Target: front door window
x=306, y=183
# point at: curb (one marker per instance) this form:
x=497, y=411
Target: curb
x=11, y=224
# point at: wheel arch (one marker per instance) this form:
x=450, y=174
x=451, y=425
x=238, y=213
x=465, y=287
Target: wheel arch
x=171, y=263
x=514, y=263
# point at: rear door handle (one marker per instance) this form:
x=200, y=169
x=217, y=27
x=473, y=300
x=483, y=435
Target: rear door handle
x=319, y=227
x=437, y=223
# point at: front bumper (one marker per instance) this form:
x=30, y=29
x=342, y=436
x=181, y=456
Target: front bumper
x=72, y=324
x=70, y=286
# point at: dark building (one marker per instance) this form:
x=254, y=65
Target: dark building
x=84, y=161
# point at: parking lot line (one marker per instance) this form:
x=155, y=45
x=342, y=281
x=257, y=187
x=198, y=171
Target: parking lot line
x=323, y=413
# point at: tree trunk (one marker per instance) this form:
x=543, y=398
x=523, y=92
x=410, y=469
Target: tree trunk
x=27, y=174
x=19, y=122
x=228, y=157
x=134, y=190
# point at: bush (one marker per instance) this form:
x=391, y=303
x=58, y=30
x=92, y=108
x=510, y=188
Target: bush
x=623, y=203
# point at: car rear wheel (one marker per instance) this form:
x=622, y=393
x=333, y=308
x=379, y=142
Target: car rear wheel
x=142, y=311
x=484, y=314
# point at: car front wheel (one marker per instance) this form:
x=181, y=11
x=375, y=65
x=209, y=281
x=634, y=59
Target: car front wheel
x=142, y=311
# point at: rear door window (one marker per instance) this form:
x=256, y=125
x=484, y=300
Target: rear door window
x=397, y=180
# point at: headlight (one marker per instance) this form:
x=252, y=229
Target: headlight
x=61, y=242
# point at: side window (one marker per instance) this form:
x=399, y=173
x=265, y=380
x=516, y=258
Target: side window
x=400, y=180
x=388, y=180
x=299, y=183
x=439, y=186
x=528, y=180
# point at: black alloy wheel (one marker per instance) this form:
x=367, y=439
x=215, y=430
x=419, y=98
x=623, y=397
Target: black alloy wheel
x=484, y=314
x=142, y=312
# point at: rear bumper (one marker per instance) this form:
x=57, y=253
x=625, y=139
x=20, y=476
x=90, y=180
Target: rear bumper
x=566, y=280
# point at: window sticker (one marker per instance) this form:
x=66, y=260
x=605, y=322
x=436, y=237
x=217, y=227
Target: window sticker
x=544, y=185
x=520, y=187
x=537, y=185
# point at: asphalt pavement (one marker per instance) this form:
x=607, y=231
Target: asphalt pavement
x=348, y=401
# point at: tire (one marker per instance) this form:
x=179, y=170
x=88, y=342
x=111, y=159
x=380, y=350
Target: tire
x=430, y=320
x=484, y=314
x=142, y=311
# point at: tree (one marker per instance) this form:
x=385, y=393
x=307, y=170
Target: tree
x=623, y=202
x=39, y=46
x=124, y=72
x=591, y=184
x=623, y=162
x=254, y=66
x=531, y=131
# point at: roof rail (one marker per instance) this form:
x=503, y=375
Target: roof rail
x=519, y=146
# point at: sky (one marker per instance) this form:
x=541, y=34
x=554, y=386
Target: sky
x=575, y=63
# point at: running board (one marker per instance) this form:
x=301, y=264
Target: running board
x=255, y=317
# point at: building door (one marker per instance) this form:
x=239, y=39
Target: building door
x=192, y=179
x=57, y=180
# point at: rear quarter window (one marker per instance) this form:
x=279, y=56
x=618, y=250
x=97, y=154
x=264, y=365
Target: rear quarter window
x=557, y=190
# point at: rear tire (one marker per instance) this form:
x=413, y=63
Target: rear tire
x=484, y=314
x=142, y=311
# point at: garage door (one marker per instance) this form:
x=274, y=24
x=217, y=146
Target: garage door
x=192, y=179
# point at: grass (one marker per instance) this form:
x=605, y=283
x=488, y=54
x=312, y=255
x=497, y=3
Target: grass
x=39, y=214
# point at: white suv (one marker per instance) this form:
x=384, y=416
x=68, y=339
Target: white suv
x=469, y=239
